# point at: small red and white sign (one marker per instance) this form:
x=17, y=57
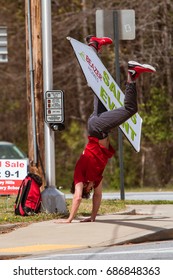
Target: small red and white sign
x=12, y=172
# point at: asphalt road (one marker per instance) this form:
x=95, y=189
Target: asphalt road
x=146, y=251
x=137, y=196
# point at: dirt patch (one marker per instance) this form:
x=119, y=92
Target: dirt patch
x=6, y=228
x=12, y=257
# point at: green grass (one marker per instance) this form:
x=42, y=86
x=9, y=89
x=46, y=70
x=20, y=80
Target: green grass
x=7, y=210
x=7, y=214
x=107, y=207
x=145, y=202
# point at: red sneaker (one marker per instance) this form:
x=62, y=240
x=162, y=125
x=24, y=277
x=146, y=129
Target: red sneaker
x=135, y=69
x=97, y=43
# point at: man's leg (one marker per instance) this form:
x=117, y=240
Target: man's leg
x=99, y=108
x=108, y=120
x=100, y=125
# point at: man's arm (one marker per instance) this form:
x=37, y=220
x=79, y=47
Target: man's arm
x=77, y=198
x=96, y=201
x=97, y=197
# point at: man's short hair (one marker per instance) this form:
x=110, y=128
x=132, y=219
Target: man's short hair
x=85, y=194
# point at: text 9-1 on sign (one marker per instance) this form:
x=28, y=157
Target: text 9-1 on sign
x=12, y=172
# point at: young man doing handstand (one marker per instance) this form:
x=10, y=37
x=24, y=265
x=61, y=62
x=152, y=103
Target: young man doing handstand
x=88, y=173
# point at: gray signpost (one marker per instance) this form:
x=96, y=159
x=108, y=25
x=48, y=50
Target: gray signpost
x=119, y=25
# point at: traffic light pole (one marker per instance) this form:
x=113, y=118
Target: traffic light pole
x=48, y=85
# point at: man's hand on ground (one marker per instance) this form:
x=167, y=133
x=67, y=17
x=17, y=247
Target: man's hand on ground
x=62, y=221
x=87, y=220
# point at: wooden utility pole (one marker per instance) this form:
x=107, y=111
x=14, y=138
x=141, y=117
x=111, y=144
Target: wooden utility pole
x=36, y=45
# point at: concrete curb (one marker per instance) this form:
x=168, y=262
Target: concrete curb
x=162, y=235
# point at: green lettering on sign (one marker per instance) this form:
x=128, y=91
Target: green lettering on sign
x=133, y=118
x=103, y=94
x=118, y=98
x=113, y=89
x=129, y=130
x=106, y=78
x=133, y=134
x=111, y=105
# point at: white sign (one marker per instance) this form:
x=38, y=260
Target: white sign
x=104, y=86
x=12, y=172
x=105, y=21
x=54, y=106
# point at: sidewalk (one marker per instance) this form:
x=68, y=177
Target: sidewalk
x=139, y=223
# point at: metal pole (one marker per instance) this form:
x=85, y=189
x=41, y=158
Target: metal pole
x=32, y=82
x=48, y=85
x=120, y=138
